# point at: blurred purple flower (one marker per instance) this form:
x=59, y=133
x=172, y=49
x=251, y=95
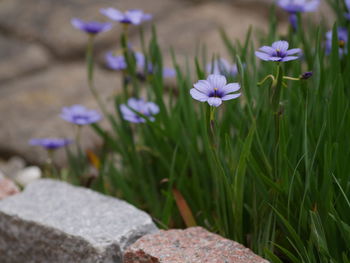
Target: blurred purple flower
x=347, y=15
x=278, y=52
x=214, y=90
x=222, y=67
x=132, y=16
x=50, y=143
x=298, y=6
x=91, y=27
x=139, y=105
x=169, y=72
x=342, y=38
x=117, y=62
x=295, y=6
x=80, y=115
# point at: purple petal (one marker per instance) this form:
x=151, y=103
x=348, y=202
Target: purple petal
x=275, y=59
x=229, y=88
x=136, y=104
x=280, y=45
x=112, y=13
x=169, y=73
x=231, y=96
x=136, y=16
x=78, y=23
x=203, y=86
x=293, y=51
x=214, y=101
x=147, y=17
x=126, y=111
x=262, y=55
x=267, y=49
x=216, y=81
x=311, y=6
x=152, y=108
x=289, y=58
x=197, y=95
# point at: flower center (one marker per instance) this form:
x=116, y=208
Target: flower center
x=341, y=43
x=216, y=93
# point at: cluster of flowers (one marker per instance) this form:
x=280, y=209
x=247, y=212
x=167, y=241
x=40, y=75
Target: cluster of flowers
x=293, y=7
x=214, y=90
x=76, y=114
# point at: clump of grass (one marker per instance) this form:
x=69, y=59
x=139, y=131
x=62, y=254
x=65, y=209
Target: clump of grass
x=273, y=176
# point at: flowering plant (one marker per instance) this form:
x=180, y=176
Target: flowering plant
x=264, y=160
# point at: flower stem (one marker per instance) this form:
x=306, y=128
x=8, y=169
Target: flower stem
x=266, y=78
x=275, y=96
x=90, y=74
x=290, y=78
x=49, y=166
x=77, y=136
x=212, y=127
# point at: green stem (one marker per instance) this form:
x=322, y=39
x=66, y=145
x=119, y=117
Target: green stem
x=49, y=164
x=266, y=78
x=212, y=127
x=290, y=78
x=90, y=74
x=77, y=137
x=275, y=91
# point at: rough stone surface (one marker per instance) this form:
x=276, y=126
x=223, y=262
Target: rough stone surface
x=12, y=166
x=192, y=245
x=30, y=108
x=199, y=25
x=54, y=222
x=18, y=58
x=33, y=86
x=48, y=21
x=7, y=188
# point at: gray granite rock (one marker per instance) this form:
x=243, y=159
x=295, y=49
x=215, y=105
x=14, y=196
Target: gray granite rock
x=18, y=58
x=48, y=21
x=52, y=221
x=200, y=24
x=30, y=108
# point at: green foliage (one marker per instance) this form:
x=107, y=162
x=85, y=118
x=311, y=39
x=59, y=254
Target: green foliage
x=271, y=174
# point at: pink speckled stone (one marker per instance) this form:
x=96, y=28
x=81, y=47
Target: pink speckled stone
x=192, y=245
x=7, y=188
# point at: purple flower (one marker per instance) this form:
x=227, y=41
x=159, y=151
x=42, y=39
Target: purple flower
x=295, y=6
x=118, y=62
x=91, y=27
x=50, y=143
x=132, y=16
x=298, y=6
x=139, y=105
x=342, y=38
x=347, y=15
x=278, y=52
x=80, y=115
x=214, y=90
x=223, y=67
x=169, y=72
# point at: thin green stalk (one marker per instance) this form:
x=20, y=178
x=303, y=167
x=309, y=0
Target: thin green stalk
x=90, y=74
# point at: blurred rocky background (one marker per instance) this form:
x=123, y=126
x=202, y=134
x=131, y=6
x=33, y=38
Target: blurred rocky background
x=42, y=57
